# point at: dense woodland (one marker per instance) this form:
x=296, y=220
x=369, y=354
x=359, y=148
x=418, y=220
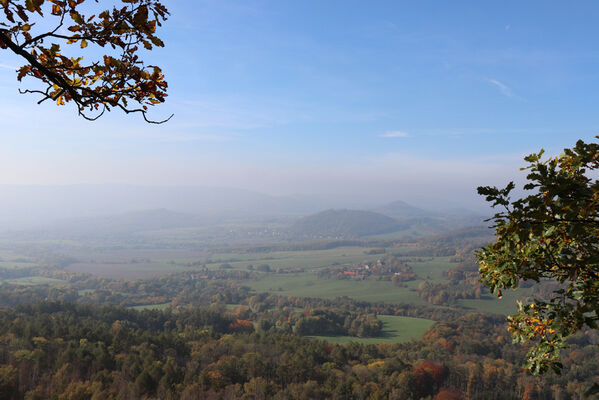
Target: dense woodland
x=68, y=351
x=68, y=344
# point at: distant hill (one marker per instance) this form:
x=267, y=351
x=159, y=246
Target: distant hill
x=344, y=224
x=126, y=223
x=32, y=206
x=427, y=222
x=401, y=209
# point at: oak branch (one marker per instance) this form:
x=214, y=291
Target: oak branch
x=118, y=78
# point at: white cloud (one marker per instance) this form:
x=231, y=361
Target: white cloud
x=395, y=134
x=507, y=27
x=505, y=90
x=10, y=67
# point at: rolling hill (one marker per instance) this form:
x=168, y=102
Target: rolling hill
x=344, y=224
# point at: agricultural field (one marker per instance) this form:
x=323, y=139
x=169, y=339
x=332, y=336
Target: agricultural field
x=132, y=263
x=310, y=285
x=395, y=330
x=131, y=260
x=11, y=264
x=489, y=303
x=307, y=259
x=144, y=263
x=136, y=270
x=35, y=280
x=15, y=260
x=432, y=268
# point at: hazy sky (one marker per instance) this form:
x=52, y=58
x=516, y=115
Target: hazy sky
x=394, y=99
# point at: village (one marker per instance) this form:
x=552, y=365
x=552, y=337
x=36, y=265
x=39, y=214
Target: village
x=384, y=269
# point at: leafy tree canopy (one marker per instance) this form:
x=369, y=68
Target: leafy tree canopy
x=550, y=234
x=52, y=35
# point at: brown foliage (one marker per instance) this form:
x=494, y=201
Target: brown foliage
x=115, y=80
x=445, y=394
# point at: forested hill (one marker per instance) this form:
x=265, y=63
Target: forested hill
x=344, y=224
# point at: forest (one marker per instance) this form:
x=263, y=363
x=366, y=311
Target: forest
x=68, y=351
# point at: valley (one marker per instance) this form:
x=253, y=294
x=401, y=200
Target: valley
x=395, y=283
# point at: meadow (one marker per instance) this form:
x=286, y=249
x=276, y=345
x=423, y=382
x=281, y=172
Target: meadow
x=310, y=285
x=144, y=263
x=489, y=303
x=10, y=259
x=308, y=259
x=35, y=280
x=127, y=271
x=395, y=330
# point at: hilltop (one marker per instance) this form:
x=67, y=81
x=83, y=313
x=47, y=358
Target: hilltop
x=344, y=224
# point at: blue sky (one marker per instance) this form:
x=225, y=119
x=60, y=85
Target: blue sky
x=393, y=99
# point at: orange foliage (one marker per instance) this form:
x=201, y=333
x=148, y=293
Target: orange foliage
x=241, y=325
x=445, y=394
x=434, y=370
x=447, y=344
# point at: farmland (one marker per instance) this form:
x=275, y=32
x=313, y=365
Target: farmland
x=36, y=280
x=292, y=273
x=142, y=263
x=288, y=269
x=309, y=285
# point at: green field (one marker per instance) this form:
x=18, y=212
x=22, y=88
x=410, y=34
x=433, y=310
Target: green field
x=310, y=285
x=143, y=263
x=35, y=280
x=126, y=270
x=395, y=330
x=308, y=259
x=12, y=260
x=506, y=305
x=138, y=263
x=16, y=264
x=432, y=268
